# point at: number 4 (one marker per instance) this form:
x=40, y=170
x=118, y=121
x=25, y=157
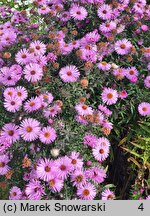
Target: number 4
x=141, y=207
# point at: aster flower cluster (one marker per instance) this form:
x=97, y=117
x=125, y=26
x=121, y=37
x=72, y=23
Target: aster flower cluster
x=69, y=72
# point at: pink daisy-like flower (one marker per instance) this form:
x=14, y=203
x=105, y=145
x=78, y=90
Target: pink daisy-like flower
x=6, y=77
x=83, y=109
x=123, y=94
x=103, y=141
x=90, y=140
x=4, y=145
x=47, y=97
x=23, y=57
x=76, y=160
x=43, y=10
x=45, y=169
x=33, y=72
x=81, y=119
x=64, y=16
x=32, y=104
x=12, y=104
x=34, y=190
x=15, y=193
x=119, y=73
x=63, y=167
x=47, y=135
x=105, y=110
x=147, y=82
x=107, y=27
x=109, y=96
x=78, y=178
x=65, y=48
x=131, y=72
x=108, y=195
x=51, y=111
x=100, y=152
x=10, y=131
x=104, y=12
x=29, y=129
x=96, y=174
x=144, y=109
x=104, y=66
x=55, y=184
x=4, y=168
x=78, y=12
x=41, y=60
x=9, y=92
x=38, y=47
x=21, y=93
x=86, y=192
x=123, y=47
x=69, y=73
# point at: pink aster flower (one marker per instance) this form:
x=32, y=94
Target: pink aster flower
x=123, y=47
x=107, y=27
x=69, y=73
x=64, y=16
x=96, y=174
x=123, y=94
x=41, y=60
x=45, y=169
x=109, y=96
x=38, y=47
x=147, y=82
x=9, y=92
x=51, y=111
x=131, y=72
x=90, y=140
x=51, y=57
x=29, y=129
x=103, y=141
x=100, y=152
x=15, y=193
x=63, y=167
x=33, y=72
x=6, y=77
x=81, y=119
x=105, y=110
x=119, y=73
x=55, y=184
x=21, y=93
x=4, y=168
x=4, y=144
x=86, y=192
x=76, y=160
x=16, y=72
x=47, y=135
x=65, y=48
x=78, y=178
x=47, y=97
x=23, y=57
x=108, y=195
x=83, y=109
x=10, y=131
x=78, y=12
x=104, y=66
x=104, y=12
x=32, y=104
x=144, y=109
x=34, y=190
x=12, y=104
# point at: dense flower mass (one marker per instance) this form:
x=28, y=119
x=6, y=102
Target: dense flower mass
x=75, y=80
